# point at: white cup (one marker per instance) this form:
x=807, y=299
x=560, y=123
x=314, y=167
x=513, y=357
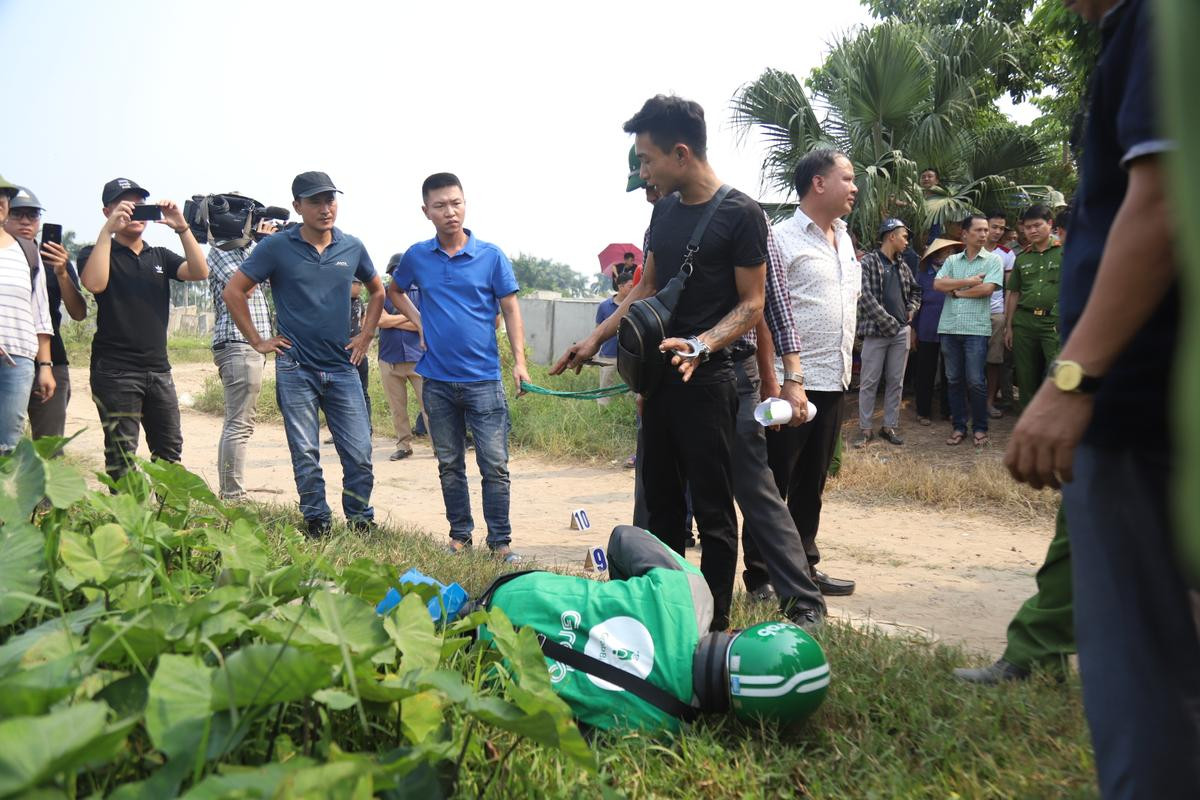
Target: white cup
x=776, y=411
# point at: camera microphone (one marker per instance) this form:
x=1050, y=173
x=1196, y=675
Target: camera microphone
x=272, y=212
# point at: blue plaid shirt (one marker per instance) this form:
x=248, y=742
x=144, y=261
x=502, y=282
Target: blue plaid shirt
x=221, y=266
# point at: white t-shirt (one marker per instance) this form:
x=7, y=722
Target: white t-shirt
x=1009, y=259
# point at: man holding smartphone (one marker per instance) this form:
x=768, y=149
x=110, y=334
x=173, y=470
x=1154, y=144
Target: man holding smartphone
x=48, y=416
x=130, y=374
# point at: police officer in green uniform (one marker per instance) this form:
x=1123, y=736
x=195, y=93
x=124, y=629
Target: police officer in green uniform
x=1031, y=327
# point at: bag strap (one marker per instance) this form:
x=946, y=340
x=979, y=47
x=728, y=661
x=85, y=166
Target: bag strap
x=639, y=687
x=693, y=245
x=31, y=255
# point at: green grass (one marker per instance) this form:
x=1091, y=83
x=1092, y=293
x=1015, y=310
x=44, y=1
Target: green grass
x=77, y=336
x=895, y=724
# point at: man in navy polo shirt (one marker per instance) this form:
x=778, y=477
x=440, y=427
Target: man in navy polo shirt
x=311, y=267
x=1100, y=426
x=464, y=284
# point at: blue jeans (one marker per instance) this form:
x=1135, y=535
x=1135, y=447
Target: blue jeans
x=301, y=392
x=1139, y=653
x=965, y=357
x=451, y=408
x=15, y=384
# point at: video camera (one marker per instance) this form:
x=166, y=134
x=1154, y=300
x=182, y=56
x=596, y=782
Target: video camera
x=229, y=220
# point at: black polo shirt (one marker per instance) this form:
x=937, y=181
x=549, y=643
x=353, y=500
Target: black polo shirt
x=132, y=313
x=1123, y=125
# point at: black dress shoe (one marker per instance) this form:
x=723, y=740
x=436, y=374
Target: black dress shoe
x=400, y=454
x=993, y=674
x=890, y=435
x=833, y=587
x=762, y=594
x=810, y=619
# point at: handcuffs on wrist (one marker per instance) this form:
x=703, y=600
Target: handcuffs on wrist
x=697, y=350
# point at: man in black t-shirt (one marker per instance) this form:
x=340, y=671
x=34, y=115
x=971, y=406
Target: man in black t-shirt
x=1100, y=427
x=688, y=423
x=130, y=375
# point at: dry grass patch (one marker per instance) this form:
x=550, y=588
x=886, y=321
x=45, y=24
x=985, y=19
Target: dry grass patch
x=981, y=485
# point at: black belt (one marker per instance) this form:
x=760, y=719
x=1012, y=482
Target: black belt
x=219, y=346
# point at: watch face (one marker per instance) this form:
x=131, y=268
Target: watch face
x=1067, y=376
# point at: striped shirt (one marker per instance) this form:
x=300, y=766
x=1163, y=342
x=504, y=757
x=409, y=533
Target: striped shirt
x=24, y=307
x=221, y=266
x=970, y=316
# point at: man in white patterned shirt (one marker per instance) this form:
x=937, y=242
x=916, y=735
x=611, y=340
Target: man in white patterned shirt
x=824, y=280
x=25, y=329
x=239, y=365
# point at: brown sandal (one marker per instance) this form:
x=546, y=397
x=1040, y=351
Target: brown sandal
x=981, y=439
x=956, y=438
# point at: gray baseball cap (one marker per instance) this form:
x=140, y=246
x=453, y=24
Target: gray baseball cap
x=25, y=199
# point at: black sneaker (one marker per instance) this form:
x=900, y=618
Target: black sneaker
x=400, y=454
x=889, y=435
x=318, y=527
x=366, y=526
x=763, y=594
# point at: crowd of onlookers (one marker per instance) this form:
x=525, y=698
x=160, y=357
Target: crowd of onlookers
x=1002, y=313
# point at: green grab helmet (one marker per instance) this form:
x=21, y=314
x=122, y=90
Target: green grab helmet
x=776, y=671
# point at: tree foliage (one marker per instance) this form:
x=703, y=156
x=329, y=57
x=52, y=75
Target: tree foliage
x=896, y=98
x=542, y=273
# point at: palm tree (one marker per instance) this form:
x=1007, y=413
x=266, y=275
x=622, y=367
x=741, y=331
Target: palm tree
x=897, y=98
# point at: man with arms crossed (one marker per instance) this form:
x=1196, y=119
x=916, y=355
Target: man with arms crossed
x=311, y=267
x=464, y=282
x=130, y=374
x=688, y=423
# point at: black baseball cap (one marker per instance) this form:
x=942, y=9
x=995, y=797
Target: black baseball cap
x=307, y=184
x=25, y=199
x=890, y=225
x=119, y=186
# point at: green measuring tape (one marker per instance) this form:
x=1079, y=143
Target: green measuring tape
x=586, y=394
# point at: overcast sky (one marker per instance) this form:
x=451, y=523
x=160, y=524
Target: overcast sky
x=524, y=101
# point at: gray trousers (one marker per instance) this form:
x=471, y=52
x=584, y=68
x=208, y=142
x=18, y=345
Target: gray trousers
x=765, y=516
x=241, y=370
x=50, y=418
x=882, y=357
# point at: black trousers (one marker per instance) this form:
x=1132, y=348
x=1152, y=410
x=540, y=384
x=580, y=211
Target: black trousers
x=929, y=371
x=687, y=439
x=364, y=377
x=767, y=523
x=799, y=459
x=127, y=400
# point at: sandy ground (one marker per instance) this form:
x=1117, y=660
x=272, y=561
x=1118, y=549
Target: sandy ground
x=954, y=577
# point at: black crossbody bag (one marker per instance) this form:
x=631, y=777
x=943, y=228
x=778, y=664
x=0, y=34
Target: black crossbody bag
x=647, y=321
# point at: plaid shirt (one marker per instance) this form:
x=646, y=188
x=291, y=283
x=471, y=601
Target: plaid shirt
x=221, y=266
x=873, y=318
x=777, y=311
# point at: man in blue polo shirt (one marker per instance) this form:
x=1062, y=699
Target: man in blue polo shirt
x=311, y=267
x=1100, y=427
x=464, y=284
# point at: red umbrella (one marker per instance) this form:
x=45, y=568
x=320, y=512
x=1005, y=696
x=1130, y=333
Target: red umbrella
x=615, y=254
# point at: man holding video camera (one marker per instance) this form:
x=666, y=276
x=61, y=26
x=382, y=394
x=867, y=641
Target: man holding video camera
x=130, y=374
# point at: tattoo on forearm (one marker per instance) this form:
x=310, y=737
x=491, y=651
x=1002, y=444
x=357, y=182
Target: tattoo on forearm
x=740, y=319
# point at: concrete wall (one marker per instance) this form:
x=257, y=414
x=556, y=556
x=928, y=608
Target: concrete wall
x=552, y=325
x=189, y=321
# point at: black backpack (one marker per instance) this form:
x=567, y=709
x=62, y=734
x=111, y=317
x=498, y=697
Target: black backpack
x=647, y=321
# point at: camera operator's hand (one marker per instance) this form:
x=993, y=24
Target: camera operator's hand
x=120, y=218
x=56, y=256
x=266, y=227
x=172, y=215
x=359, y=346
x=276, y=345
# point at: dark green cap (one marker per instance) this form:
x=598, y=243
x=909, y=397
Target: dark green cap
x=7, y=188
x=635, y=167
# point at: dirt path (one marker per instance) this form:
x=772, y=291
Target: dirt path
x=956, y=577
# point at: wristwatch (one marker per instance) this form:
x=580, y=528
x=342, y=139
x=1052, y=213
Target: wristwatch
x=1068, y=376
x=794, y=377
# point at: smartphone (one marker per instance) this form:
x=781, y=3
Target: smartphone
x=146, y=212
x=51, y=233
